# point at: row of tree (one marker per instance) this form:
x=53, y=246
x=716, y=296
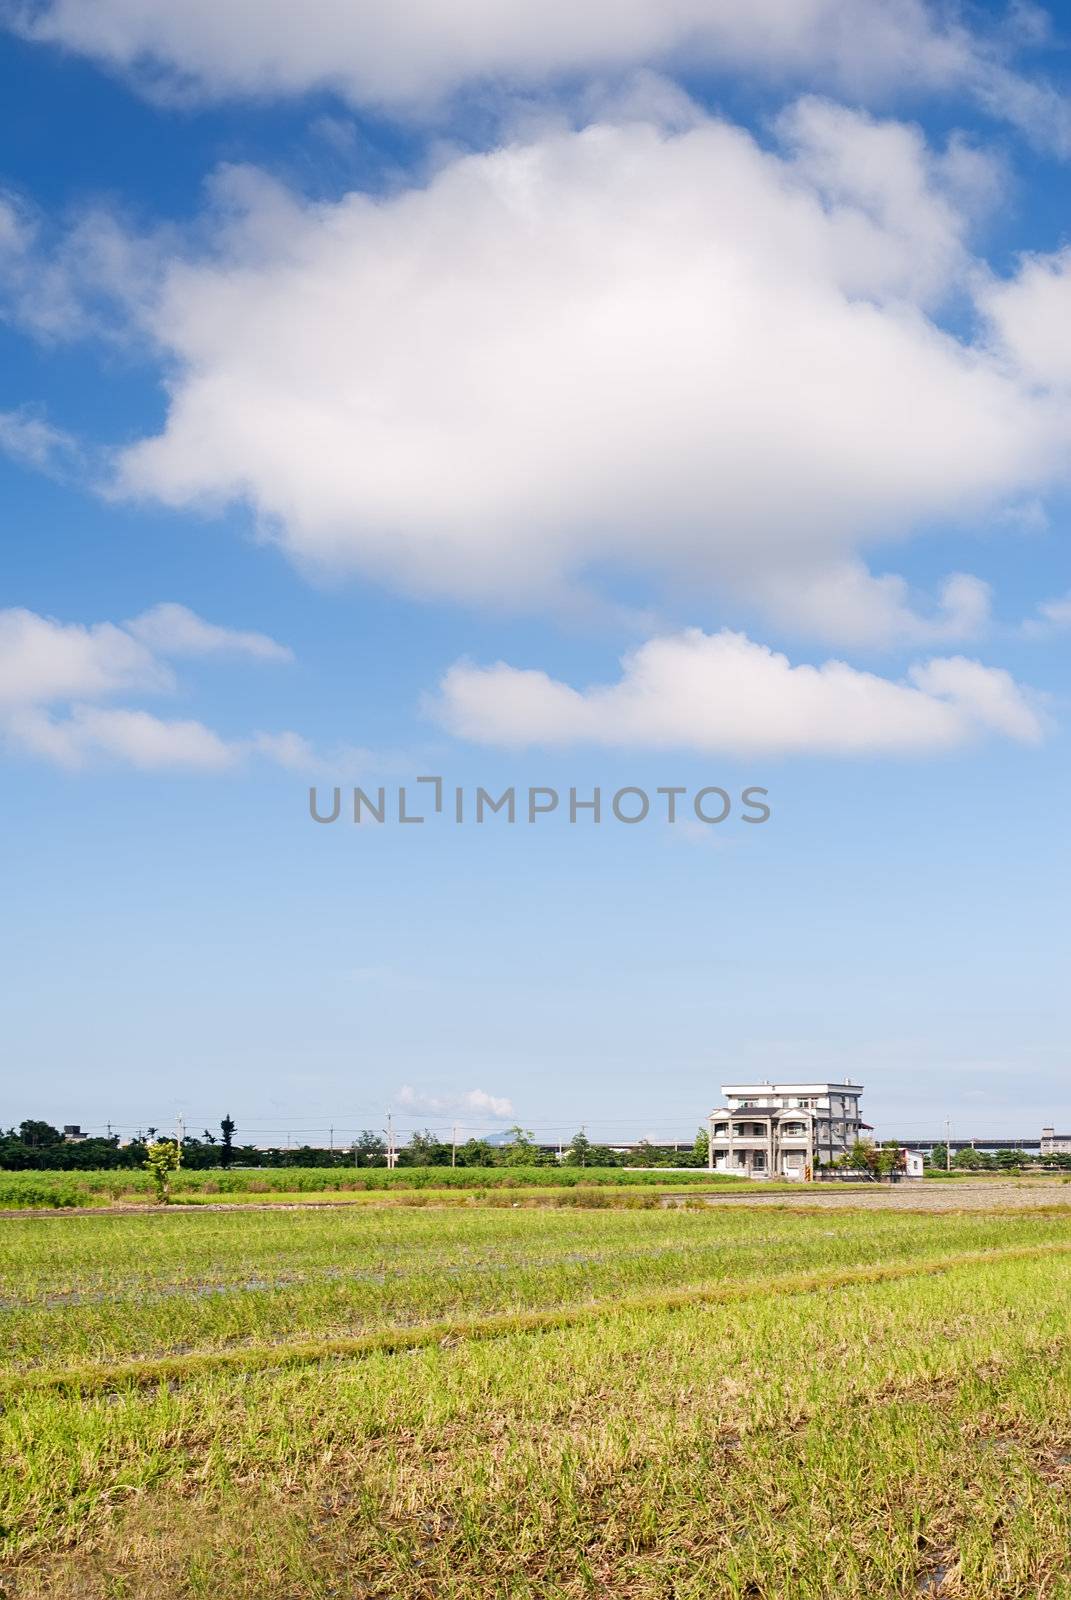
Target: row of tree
x=36, y=1145
x=427, y=1149
x=881, y=1161
x=971, y=1160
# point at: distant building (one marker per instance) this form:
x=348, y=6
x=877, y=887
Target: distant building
x=1055, y=1144
x=72, y=1133
x=913, y=1166
x=784, y=1130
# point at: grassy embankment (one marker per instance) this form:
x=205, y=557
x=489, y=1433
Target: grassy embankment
x=537, y=1403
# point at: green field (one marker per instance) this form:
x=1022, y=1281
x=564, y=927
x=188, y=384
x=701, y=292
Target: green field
x=59, y=1190
x=645, y=1403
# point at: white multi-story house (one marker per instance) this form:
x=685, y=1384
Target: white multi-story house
x=783, y=1130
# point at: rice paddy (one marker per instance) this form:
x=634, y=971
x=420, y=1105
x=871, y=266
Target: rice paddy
x=768, y=1400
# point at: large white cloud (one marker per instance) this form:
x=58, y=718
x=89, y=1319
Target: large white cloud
x=724, y=693
x=414, y=51
x=624, y=347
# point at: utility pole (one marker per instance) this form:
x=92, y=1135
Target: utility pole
x=453, y=1147
x=948, y=1144
x=710, y=1141
x=180, y=1133
x=391, y=1152
x=332, y=1141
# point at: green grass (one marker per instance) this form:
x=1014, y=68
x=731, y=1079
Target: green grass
x=59, y=1190
x=469, y=1403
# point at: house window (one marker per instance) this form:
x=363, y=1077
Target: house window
x=758, y=1161
x=721, y=1127
x=793, y=1130
x=741, y=1158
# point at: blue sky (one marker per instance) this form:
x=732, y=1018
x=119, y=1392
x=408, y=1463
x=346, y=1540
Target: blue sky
x=677, y=396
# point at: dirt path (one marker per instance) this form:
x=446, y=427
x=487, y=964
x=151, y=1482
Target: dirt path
x=910, y=1196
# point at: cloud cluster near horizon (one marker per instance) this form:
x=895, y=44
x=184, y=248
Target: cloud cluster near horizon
x=468, y=1112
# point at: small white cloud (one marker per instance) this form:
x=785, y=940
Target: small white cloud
x=43, y=660
x=136, y=738
x=495, y=1107
x=498, y=1105
x=1052, y=616
x=288, y=750
x=1030, y=318
x=722, y=692
x=26, y=437
x=1027, y=517
x=52, y=674
x=850, y=606
x=174, y=630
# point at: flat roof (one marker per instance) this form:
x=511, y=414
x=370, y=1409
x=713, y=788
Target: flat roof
x=791, y=1088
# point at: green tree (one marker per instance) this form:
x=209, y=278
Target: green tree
x=226, y=1149
x=424, y=1149
x=162, y=1160
x=886, y=1160
x=579, y=1153
x=521, y=1151
x=369, y=1149
x=858, y=1157
x=39, y=1134
x=475, y=1153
